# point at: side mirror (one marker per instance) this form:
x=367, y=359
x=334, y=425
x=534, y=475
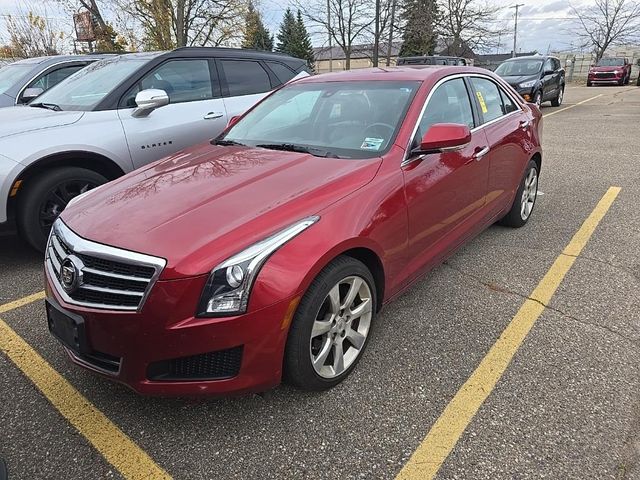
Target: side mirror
x=444, y=137
x=549, y=72
x=148, y=100
x=233, y=121
x=31, y=93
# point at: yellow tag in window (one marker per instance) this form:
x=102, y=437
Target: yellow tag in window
x=483, y=105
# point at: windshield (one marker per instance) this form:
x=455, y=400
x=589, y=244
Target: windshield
x=10, y=74
x=341, y=119
x=85, y=89
x=611, y=62
x=519, y=68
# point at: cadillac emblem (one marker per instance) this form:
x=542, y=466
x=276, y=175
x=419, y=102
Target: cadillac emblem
x=69, y=275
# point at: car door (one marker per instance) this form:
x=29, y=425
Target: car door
x=507, y=131
x=195, y=114
x=245, y=82
x=445, y=191
x=51, y=76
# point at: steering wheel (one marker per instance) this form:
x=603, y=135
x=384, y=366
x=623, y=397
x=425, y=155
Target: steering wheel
x=390, y=128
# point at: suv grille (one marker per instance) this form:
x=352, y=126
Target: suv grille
x=605, y=75
x=98, y=276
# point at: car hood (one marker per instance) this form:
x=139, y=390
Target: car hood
x=22, y=119
x=518, y=79
x=198, y=207
x=6, y=100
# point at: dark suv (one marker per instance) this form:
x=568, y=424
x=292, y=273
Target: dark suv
x=537, y=78
x=430, y=60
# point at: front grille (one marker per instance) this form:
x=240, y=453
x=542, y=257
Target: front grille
x=107, y=277
x=207, y=366
x=98, y=360
x=605, y=75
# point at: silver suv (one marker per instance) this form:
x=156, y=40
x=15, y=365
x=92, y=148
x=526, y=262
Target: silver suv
x=119, y=114
x=23, y=80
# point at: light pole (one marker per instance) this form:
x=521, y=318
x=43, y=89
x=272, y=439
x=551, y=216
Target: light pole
x=329, y=31
x=515, y=30
x=376, y=40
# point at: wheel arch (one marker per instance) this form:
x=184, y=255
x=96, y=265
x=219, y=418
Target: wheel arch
x=77, y=158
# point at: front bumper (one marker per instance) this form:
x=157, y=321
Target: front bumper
x=138, y=349
x=604, y=81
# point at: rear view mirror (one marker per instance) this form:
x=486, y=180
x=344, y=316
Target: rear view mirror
x=31, y=93
x=148, y=100
x=443, y=137
x=233, y=121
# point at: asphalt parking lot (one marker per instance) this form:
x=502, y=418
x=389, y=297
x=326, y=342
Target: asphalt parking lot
x=567, y=406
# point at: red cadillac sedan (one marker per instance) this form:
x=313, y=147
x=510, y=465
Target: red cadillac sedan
x=266, y=254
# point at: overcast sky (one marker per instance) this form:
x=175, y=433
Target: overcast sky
x=543, y=24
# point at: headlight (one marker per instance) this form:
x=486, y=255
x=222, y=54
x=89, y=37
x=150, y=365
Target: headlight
x=229, y=285
x=528, y=84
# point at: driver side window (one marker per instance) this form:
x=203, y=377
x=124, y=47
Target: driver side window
x=450, y=103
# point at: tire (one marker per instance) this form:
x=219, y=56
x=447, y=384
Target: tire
x=589, y=84
x=45, y=196
x=638, y=82
x=627, y=79
x=516, y=217
x=556, y=102
x=303, y=347
x=537, y=99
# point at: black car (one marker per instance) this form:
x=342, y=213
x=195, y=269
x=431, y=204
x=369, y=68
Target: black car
x=537, y=78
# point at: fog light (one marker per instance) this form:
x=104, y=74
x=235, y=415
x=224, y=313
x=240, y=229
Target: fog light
x=527, y=97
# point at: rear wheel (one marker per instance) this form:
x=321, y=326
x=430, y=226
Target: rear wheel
x=525, y=198
x=332, y=326
x=589, y=84
x=556, y=102
x=45, y=196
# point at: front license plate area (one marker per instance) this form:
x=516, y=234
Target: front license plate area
x=67, y=328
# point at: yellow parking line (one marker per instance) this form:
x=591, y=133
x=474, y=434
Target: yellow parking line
x=118, y=449
x=21, y=302
x=572, y=106
x=449, y=427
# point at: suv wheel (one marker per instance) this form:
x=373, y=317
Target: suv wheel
x=332, y=326
x=45, y=196
x=537, y=99
x=556, y=102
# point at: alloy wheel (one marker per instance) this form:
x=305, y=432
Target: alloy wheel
x=58, y=198
x=538, y=99
x=529, y=194
x=560, y=97
x=341, y=327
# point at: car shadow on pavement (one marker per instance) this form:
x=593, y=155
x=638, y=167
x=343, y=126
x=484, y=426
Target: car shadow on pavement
x=15, y=251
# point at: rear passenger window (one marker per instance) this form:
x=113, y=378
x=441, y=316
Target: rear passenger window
x=488, y=98
x=449, y=104
x=509, y=105
x=245, y=77
x=283, y=72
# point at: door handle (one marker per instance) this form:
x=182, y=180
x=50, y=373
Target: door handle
x=213, y=115
x=480, y=153
x=524, y=124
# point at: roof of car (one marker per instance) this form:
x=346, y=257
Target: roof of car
x=394, y=73
x=61, y=58
x=531, y=57
x=228, y=52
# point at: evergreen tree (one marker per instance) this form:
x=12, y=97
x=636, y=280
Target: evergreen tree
x=256, y=35
x=306, y=49
x=293, y=38
x=419, y=36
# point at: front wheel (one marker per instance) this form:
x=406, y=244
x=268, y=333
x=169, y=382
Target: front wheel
x=525, y=199
x=537, y=99
x=331, y=327
x=45, y=196
x=556, y=102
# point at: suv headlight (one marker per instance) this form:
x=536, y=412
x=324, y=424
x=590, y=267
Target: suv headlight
x=229, y=285
x=528, y=84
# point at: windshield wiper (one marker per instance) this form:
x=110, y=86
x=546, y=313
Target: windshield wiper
x=48, y=106
x=290, y=147
x=226, y=142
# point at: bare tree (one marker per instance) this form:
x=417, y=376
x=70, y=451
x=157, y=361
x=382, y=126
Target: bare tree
x=30, y=33
x=346, y=21
x=466, y=26
x=607, y=23
x=178, y=23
